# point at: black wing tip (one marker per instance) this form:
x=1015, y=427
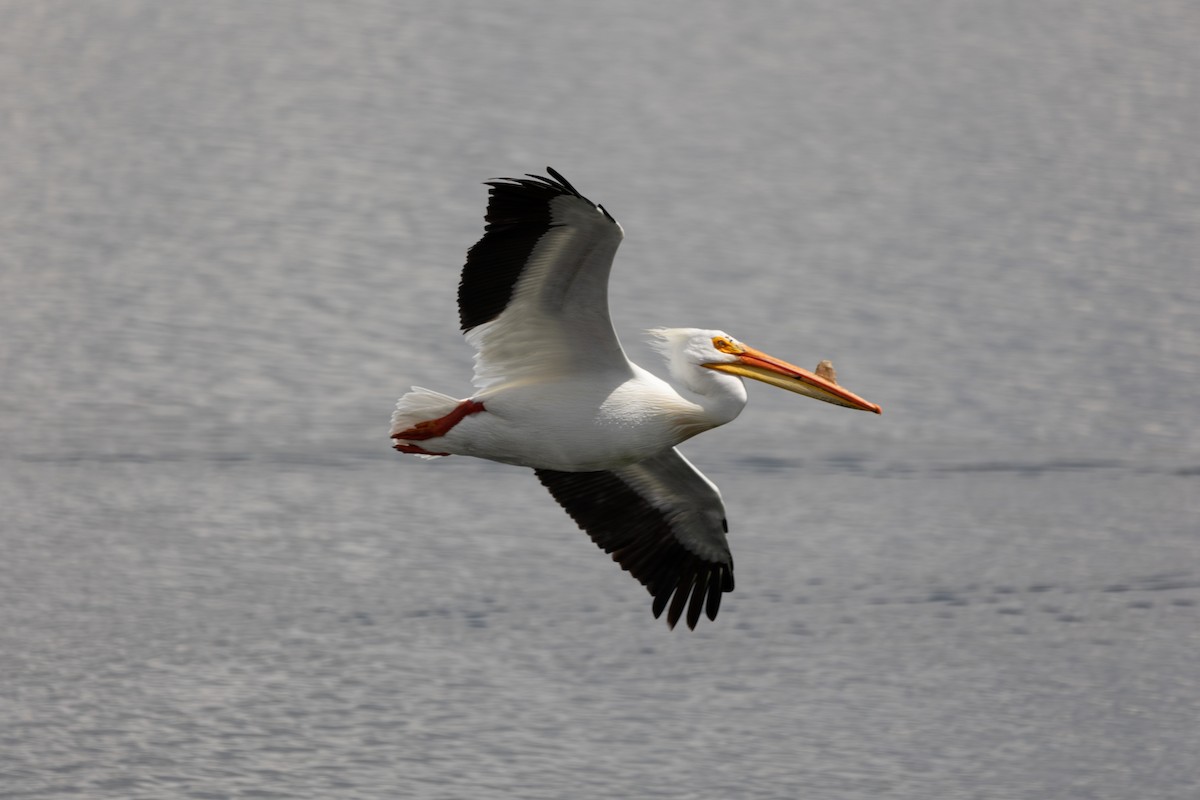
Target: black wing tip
x=633, y=533
x=561, y=180
x=556, y=184
x=699, y=592
x=679, y=581
x=519, y=212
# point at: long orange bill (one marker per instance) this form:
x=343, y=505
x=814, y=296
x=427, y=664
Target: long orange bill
x=758, y=365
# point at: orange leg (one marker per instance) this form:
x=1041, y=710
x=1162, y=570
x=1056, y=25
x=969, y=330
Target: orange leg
x=416, y=449
x=433, y=428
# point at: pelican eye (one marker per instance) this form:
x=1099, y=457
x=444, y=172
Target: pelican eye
x=725, y=345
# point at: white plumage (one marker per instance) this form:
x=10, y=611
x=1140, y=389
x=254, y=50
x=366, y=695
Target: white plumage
x=555, y=392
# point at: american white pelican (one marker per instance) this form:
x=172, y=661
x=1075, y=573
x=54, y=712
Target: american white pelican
x=555, y=392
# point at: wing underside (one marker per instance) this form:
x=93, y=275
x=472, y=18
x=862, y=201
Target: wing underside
x=663, y=522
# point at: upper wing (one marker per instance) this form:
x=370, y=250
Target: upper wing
x=533, y=298
x=662, y=521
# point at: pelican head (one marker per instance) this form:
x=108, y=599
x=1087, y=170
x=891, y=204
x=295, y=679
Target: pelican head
x=717, y=350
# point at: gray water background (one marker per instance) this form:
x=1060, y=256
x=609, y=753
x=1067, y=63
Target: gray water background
x=230, y=235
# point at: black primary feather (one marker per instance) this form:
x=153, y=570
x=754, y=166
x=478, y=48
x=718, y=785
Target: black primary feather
x=640, y=539
x=518, y=215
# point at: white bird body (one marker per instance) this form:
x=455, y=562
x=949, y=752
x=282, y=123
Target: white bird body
x=556, y=392
x=596, y=420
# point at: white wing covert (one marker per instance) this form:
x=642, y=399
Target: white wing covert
x=533, y=298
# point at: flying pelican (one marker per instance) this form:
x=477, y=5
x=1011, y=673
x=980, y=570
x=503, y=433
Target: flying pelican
x=554, y=391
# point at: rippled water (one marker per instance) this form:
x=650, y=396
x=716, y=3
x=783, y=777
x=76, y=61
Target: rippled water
x=230, y=236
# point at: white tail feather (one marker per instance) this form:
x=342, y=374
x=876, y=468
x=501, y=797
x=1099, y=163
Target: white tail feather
x=419, y=405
